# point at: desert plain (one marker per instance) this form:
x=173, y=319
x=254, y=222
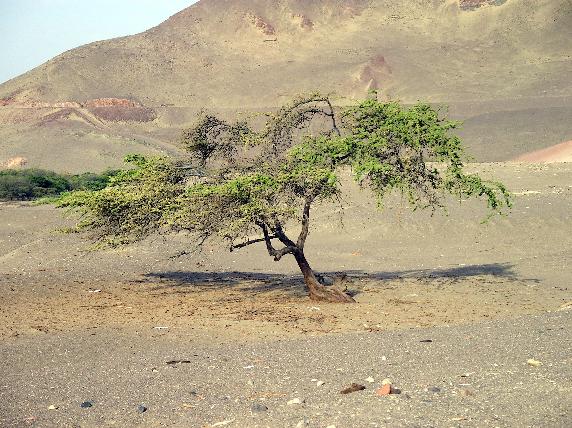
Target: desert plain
x=470, y=321
x=80, y=325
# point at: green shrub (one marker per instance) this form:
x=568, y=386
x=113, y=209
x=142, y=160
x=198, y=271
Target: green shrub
x=29, y=184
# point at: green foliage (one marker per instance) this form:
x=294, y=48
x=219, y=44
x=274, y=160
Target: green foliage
x=390, y=147
x=29, y=184
x=133, y=203
x=90, y=180
x=238, y=181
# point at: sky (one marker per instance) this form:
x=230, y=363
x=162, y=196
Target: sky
x=33, y=31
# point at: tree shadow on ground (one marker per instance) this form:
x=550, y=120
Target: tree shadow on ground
x=186, y=281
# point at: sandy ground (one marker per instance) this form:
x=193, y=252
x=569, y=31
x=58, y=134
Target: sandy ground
x=559, y=153
x=474, y=375
x=407, y=270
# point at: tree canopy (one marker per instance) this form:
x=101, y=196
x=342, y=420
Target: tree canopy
x=243, y=184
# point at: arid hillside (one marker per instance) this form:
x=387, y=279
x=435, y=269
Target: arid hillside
x=503, y=66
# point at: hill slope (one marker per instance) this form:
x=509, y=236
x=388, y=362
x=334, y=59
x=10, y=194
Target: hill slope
x=491, y=60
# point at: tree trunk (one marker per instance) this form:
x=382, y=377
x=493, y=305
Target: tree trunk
x=318, y=291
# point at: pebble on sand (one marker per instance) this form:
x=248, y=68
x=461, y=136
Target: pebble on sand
x=258, y=408
x=354, y=387
x=383, y=390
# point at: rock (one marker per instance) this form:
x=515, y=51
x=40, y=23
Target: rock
x=250, y=382
x=426, y=341
x=86, y=404
x=370, y=380
x=295, y=401
x=173, y=363
x=141, y=408
x=466, y=392
x=258, y=408
x=434, y=389
x=303, y=423
x=534, y=363
x=320, y=383
x=52, y=407
x=354, y=387
x=383, y=390
x=386, y=381
x=223, y=423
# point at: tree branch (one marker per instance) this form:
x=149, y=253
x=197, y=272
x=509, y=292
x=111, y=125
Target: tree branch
x=282, y=236
x=305, y=223
x=333, y=116
x=277, y=254
x=250, y=242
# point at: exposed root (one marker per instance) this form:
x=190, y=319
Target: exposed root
x=321, y=293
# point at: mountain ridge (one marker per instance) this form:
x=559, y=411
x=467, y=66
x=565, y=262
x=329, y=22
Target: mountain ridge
x=238, y=55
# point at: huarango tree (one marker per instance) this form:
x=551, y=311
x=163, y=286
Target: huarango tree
x=243, y=185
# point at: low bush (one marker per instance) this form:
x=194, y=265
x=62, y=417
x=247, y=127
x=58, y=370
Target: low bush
x=30, y=184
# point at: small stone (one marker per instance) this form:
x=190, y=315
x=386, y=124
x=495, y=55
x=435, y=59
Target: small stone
x=384, y=390
x=466, y=392
x=258, y=408
x=434, y=389
x=86, y=405
x=250, y=382
x=303, y=423
x=386, y=382
x=52, y=407
x=354, y=387
x=534, y=363
x=141, y=408
x=295, y=401
x=370, y=380
x=320, y=383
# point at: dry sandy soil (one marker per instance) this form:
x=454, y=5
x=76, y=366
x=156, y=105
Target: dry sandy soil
x=448, y=308
x=407, y=270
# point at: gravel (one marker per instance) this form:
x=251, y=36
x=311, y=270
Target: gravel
x=469, y=375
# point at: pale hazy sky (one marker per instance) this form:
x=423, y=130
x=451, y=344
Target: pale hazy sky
x=33, y=31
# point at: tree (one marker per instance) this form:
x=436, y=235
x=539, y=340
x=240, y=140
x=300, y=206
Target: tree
x=244, y=185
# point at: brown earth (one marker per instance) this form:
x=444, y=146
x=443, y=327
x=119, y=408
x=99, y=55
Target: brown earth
x=559, y=153
x=502, y=66
x=407, y=270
